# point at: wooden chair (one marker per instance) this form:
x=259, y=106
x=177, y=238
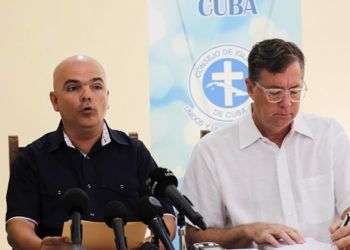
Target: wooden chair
x=14, y=147
x=133, y=135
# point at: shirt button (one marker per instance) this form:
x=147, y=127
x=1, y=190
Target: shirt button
x=121, y=186
x=88, y=186
x=92, y=214
x=59, y=192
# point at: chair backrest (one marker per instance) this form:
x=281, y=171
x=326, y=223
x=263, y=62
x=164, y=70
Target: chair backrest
x=14, y=147
x=133, y=135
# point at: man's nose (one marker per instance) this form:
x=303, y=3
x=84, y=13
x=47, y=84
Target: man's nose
x=86, y=94
x=286, y=100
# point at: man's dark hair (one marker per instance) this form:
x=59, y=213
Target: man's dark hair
x=273, y=55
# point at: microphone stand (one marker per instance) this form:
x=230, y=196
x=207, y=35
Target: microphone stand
x=119, y=237
x=76, y=232
x=155, y=241
x=76, y=228
x=159, y=234
x=181, y=231
x=77, y=247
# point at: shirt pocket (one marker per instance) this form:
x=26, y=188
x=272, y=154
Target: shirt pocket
x=125, y=192
x=317, y=198
x=53, y=194
x=52, y=204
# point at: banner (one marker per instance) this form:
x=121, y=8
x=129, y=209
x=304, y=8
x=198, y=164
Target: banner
x=198, y=62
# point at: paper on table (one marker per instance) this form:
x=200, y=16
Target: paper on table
x=97, y=235
x=310, y=244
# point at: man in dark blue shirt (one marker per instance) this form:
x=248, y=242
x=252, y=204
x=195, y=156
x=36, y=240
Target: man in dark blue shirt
x=83, y=152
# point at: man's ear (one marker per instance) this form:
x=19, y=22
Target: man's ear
x=107, y=99
x=250, y=87
x=54, y=101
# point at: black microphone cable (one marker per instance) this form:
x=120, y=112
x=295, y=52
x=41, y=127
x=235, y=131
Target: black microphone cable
x=116, y=217
x=76, y=203
x=150, y=212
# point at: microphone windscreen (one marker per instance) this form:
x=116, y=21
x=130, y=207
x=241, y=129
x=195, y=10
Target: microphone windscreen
x=115, y=209
x=159, y=179
x=149, y=208
x=76, y=200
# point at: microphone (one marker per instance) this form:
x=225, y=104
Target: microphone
x=115, y=217
x=76, y=202
x=163, y=183
x=150, y=213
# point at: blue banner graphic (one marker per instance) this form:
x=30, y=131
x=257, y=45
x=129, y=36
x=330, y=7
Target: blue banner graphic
x=198, y=64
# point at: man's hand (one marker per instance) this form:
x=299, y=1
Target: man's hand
x=340, y=235
x=243, y=236
x=53, y=243
x=273, y=234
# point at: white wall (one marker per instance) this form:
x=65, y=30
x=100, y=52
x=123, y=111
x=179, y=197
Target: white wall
x=326, y=44
x=37, y=34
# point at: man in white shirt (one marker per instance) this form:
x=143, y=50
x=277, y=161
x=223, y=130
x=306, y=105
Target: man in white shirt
x=275, y=175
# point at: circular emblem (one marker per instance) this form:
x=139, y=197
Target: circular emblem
x=217, y=82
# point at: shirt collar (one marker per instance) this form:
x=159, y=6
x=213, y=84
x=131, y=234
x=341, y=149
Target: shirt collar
x=119, y=137
x=56, y=138
x=105, y=138
x=300, y=125
x=249, y=133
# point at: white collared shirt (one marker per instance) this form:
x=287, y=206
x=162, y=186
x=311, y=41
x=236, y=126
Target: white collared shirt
x=237, y=176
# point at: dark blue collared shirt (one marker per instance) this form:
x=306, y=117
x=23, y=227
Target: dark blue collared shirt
x=45, y=169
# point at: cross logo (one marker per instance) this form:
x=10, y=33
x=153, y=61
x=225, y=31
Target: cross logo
x=217, y=82
x=225, y=81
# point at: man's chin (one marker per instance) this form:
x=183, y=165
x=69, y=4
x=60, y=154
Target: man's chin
x=90, y=123
x=281, y=123
x=283, y=126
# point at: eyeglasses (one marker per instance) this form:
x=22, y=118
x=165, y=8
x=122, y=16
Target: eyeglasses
x=275, y=95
